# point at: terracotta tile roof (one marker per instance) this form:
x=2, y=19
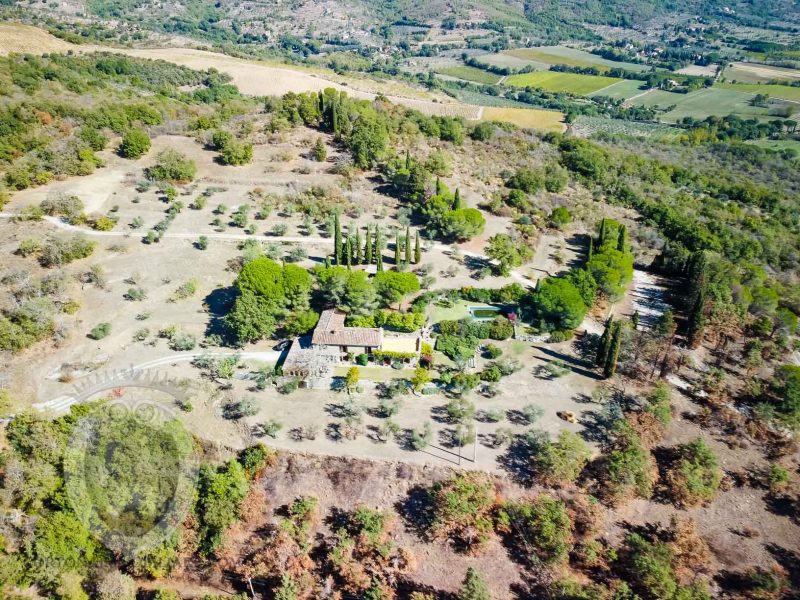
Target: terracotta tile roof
x=331, y=331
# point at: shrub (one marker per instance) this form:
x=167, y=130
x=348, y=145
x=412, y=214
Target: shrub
x=171, y=165
x=462, y=508
x=630, y=469
x=61, y=251
x=561, y=461
x=135, y=144
x=696, y=476
x=100, y=331
x=540, y=526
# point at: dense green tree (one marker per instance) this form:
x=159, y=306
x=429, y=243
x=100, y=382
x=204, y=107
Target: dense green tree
x=135, y=144
x=555, y=304
x=392, y=286
x=462, y=224
x=506, y=253
x=172, y=165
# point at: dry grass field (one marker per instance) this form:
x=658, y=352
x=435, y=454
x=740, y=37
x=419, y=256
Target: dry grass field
x=15, y=37
x=531, y=118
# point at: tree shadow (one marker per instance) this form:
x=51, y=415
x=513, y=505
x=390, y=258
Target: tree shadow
x=219, y=303
x=577, y=365
x=516, y=461
x=416, y=511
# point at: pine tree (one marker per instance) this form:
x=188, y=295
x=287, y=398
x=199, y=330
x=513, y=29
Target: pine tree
x=397, y=249
x=407, y=245
x=474, y=587
x=337, y=239
x=417, y=250
x=604, y=344
x=457, y=203
x=622, y=238
x=378, y=250
x=288, y=589
x=613, y=354
x=368, y=247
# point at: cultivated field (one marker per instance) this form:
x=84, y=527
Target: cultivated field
x=702, y=103
x=529, y=118
x=588, y=126
x=553, y=81
x=622, y=90
x=758, y=73
x=561, y=55
x=470, y=74
x=784, y=92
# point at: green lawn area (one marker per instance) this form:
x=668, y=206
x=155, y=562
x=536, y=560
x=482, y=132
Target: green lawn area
x=703, y=103
x=470, y=74
x=561, y=55
x=622, y=90
x=453, y=313
x=778, y=144
x=379, y=374
x=581, y=85
x=784, y=92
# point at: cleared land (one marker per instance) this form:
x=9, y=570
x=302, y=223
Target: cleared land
x=24, y=38
x=553, y=81
x=757, y=73
x=530, y=118
x=561, y=55
x=784, y=92
x=471, y=74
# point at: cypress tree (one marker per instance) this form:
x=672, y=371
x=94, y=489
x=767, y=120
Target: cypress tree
x=696, y=298
x=604, y=344
x=327, y=262
x=591, y=248
x=407, y=245
x=348, y=251
x=378, y=250
x=397, y=249
x=457, y=203
x=439, y=188
x=635, y=319
x=368, y=247
x=357, y=256
x=417, y=250
x=622, y=238
x=613, y=354
x=408, y=161
x=697, y=319
x=602, y=237
x=337, y=239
